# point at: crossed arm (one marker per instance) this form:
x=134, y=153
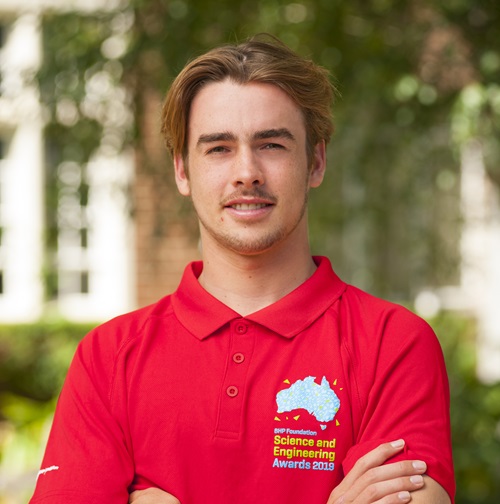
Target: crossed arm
x=369, y=482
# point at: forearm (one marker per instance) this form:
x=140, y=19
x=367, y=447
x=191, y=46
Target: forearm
x=431, y=493
x=152, y=496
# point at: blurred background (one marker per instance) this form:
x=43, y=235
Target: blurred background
x=91, y=225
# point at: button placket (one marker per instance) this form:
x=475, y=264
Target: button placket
x=232, y=399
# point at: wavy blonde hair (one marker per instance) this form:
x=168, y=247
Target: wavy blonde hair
x=260, y=59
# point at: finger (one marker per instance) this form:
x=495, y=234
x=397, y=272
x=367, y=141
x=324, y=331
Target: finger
x=387, y=479
x=394, y=470
x=397, y=498
x=373, y=458
x=366, y=472
x=377, y=456
x=395, y=490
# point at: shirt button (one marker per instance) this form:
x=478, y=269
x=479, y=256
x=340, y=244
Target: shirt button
x=232, y=391
x=241, y=328
x=238, y=358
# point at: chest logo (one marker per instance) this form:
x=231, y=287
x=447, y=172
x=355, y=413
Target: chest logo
x=300, y=444
x=318, y=400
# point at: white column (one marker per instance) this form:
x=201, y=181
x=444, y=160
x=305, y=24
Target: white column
x=481, y=257
x=21, y=210
x=109, y=255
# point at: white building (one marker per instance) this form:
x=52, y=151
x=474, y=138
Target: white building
x=93, y=264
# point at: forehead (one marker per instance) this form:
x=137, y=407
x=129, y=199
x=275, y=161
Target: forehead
x=242, y=109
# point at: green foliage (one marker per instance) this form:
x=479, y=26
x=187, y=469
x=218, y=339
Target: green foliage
x=72, y=58
x=33, y=362
x=388, y=212
x=475, y=414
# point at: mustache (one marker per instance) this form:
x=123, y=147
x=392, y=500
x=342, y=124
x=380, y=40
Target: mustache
x=256, y=192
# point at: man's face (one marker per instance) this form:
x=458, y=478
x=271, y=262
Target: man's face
x=248, y=172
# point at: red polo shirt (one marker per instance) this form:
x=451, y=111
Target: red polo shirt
x=188, y=396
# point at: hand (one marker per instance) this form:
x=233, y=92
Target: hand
x=371, y=482
x=152, y=496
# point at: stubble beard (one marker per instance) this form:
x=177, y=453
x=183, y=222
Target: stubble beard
x=263, y=240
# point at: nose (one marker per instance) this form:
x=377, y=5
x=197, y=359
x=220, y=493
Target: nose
x=247, y=170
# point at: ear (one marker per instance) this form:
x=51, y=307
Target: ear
x=318, y=165
x=181, y=176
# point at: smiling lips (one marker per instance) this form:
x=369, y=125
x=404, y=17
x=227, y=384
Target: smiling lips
x=248, y=206
x=249, y=200
x=248, y=209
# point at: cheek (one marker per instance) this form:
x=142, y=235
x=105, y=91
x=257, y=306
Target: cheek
x=205, y=192
x=206, y=178
x=298, y=184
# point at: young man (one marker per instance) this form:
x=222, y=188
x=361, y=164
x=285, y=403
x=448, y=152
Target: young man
x=264, y=377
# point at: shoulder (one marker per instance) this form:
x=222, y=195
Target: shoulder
x=384, y=329
x=109, y=351
x=112, y=337
x=378, y=314
x=369, y=323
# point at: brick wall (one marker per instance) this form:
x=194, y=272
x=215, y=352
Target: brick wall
x=165, y=225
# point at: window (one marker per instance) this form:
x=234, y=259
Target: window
x=84, y=282
x=72, y=229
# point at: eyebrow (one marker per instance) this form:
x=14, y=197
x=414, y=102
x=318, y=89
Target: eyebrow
x=274, y=133
x=225, y=136
x=216, y=137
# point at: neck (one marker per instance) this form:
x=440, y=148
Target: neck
x=248, y=283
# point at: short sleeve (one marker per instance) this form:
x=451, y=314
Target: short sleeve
x=86, y=459
x=404, y=393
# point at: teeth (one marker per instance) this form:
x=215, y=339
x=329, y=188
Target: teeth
x=248, y=206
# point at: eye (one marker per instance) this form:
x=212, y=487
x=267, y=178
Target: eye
x=219, y=149
x=273, y=146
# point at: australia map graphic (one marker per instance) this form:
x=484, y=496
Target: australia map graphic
x=317, y=399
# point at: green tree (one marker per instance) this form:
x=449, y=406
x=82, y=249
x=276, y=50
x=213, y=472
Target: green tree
x=416, y=79
x=388, y=213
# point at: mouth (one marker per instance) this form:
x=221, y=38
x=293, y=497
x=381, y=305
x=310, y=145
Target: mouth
x=248, y=206
x=249, y=201
x=249, y=209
